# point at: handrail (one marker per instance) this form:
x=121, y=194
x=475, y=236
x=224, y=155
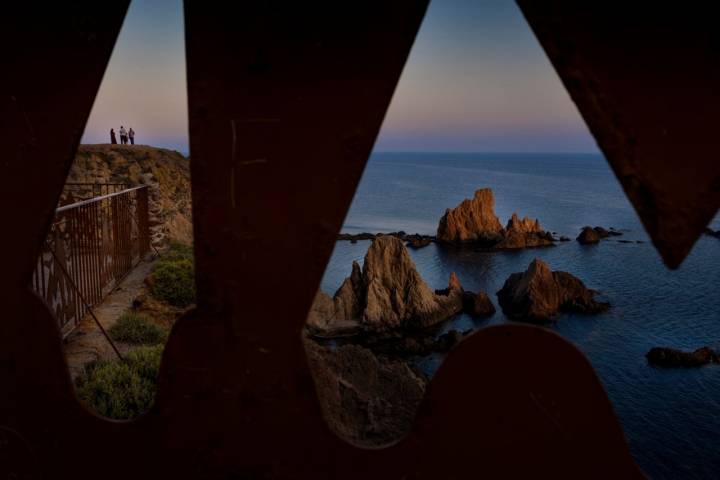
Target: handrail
x=97, y=199
x=91, y=246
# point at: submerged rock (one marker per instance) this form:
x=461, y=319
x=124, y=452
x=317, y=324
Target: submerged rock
x=672, y=357
x=387, y=294
x=538, y=294
x=474, y=222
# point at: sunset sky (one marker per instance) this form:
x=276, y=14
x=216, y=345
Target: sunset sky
x=476, y=80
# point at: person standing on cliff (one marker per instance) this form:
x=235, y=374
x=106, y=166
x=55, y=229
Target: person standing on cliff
x=113, y=140
x=131, y=136
x=123, y=135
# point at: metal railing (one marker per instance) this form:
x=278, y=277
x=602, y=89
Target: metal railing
x=79, y=191
x=92, y=245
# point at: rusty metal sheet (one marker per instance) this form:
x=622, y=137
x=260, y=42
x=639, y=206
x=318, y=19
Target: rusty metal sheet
x=645, y=79
x=285, y=103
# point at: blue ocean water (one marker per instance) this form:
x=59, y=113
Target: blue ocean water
x=671, y=418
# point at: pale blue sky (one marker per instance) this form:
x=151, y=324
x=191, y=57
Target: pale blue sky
x=476, y=80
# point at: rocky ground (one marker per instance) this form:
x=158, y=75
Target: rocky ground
x=166, y=172
x=381, y=319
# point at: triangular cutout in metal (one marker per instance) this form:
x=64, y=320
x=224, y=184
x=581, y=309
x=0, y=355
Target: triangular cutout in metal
x=645, y=80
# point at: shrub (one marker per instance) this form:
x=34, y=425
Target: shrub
x=136, y=328
x=121, y=390
x=177, y=251
x=174, y=276
x=174, y=282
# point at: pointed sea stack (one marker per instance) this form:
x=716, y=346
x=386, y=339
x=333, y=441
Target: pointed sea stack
x=474, y=222
x=523, y=234
x=538, y=294
x=387, y=294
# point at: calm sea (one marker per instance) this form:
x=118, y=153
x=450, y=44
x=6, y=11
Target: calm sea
x=671, y=417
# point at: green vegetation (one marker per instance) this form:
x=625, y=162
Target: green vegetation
x=174, y=276
x=136, y=328
x=122, y=390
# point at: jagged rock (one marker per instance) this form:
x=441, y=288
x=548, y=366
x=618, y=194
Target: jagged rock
x=477, y=304
x=365, y=399
x=387, y=294
x=588, y=235
x=672, y=357
x=523, y=234
x=538, y=294
x=564, y=239
x=473, y=221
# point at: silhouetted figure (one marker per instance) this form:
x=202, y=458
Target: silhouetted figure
x=113, y=140
x=131, y=136
x=123, y=135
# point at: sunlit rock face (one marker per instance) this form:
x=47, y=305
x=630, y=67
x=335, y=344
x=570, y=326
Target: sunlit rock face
x=387, y=294
x=538, y=294
x=474, y=222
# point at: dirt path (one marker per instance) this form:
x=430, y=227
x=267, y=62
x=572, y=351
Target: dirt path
x=87, y=343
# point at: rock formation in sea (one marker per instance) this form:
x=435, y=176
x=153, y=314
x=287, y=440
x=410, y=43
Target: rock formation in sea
x=387, y=294
x=672, y=357
x=477, y=304
x=711, y=232
x=367, y=399
x=589, y=235
x=474, y=222
x=538, y=294
x=524, y=233
x=166, y=172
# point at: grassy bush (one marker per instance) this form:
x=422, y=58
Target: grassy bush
x=174, y=276
x=136, y=328
x=121, y=390
x=177, y=251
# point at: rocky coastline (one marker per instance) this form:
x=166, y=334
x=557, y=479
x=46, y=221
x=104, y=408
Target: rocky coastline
x=366, y=340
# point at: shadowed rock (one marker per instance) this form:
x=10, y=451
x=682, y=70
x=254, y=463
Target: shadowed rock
x=588, y=235
x=387, y=294
x=538, y=294
x=672, y=357
x=366, y=399
x=711, y=232
x=474, y=222
x=477, y=304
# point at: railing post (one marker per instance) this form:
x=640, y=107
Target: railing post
x=142, y=212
